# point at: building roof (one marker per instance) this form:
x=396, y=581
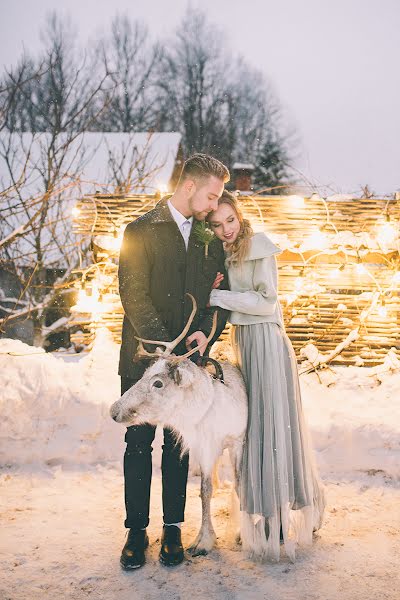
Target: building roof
x=237, y=166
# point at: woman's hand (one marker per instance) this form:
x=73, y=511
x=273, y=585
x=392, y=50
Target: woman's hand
x=217, y=281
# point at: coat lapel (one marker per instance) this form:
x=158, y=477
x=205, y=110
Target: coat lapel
x=195, y=247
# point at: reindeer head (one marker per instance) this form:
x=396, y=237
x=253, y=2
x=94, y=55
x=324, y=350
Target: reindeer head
x=169, y=387
x=166, y=394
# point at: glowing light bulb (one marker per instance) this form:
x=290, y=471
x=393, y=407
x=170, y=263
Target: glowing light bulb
x=387, y=233
x=382, y=311
x=82, y=296
x=298, y=283
x=162, y=188
x=361, y=269
x=335, y=274
x=114, y=243
x=296, y=201
x=290, y=298
x=317, y=240
x=88, y=304
x=396, y=277
x=95, y=292
x=75, y=211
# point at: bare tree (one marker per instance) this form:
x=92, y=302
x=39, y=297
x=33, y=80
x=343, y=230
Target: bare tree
x=217, y=101
x=193, y=82
x=36, y=236
x=133, y=62
x=131, y=167
x=41, y=173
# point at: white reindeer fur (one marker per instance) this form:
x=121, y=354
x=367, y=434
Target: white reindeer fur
x=207, y=416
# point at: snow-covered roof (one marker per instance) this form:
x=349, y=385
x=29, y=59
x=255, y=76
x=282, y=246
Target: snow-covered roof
x=238, y=166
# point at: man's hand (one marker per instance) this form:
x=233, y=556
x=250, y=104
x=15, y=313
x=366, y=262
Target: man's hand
x=200, y=338
x=217, y=281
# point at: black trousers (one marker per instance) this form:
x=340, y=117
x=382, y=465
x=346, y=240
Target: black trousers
x=138, y=470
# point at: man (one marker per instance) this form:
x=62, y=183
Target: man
x=161, y=261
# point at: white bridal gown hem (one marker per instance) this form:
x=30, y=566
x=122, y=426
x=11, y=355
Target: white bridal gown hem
x=279, y=483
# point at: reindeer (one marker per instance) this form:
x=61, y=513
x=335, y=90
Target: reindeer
x=207, y=412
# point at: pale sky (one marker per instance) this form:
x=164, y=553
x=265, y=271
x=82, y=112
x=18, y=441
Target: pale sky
x=334, y=65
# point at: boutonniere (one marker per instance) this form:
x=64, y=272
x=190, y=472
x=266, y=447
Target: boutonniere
x=205, y=235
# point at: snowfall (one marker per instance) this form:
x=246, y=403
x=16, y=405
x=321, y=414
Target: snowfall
x=61, y=497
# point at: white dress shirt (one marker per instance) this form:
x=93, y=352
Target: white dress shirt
x=184, y=224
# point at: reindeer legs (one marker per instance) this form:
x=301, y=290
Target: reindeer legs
x=235, y=454
x=206, y=537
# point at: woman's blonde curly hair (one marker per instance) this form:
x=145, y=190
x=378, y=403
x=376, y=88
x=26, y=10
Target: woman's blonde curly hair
x=239, y=249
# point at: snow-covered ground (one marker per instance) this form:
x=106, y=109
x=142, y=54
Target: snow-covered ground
x=61, y=492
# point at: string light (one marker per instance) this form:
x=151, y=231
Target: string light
x=321, y=237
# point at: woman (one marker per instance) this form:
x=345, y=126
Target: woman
x=281, y=499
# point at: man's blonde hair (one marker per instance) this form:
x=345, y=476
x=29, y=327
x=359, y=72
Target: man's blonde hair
x=202, y=166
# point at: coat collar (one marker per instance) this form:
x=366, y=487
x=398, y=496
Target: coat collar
x=261, y=247
x=162, y=214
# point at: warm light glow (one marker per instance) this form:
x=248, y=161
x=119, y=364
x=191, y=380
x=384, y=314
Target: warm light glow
x=296, y=201
x=88, y=304
x=361, y=269
x=317, y=240
x=75, y=212
x=290, y=298
x=382, y=311
x=114, y=243
x=92, y=304
x=162, y=188
x=396, y=277
x=298, y=283
x=335, y=274
x=387, y=233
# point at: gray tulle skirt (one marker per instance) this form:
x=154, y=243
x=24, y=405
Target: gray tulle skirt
x=279, y=487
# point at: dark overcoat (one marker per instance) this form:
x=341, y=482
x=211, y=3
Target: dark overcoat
x=155, y=273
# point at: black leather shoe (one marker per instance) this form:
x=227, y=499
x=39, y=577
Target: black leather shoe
x=171, y=553
x=133, y=555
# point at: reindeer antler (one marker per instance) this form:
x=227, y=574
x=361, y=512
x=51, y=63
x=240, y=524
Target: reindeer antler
x=169, y=346
x=177, y=359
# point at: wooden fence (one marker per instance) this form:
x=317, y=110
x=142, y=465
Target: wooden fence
x=339, y=269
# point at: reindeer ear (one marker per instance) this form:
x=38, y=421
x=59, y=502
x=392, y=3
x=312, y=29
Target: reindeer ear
x=182, y=376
